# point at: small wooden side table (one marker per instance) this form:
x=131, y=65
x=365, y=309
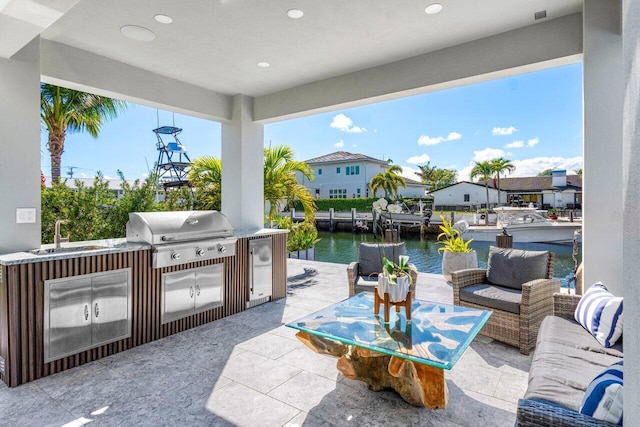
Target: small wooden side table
x=388, y=303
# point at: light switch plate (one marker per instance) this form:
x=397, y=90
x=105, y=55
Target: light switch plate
x=25, y=215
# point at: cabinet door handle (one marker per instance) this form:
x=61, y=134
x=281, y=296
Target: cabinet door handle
x=251, y=270
x=198, y=290
x=97, y=310
x=191, y=291
x=86, y=312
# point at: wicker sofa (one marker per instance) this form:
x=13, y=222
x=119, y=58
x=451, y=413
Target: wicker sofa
x=567, y=358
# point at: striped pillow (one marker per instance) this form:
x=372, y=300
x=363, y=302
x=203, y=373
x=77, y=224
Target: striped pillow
x=603, y=398
x=601, y=314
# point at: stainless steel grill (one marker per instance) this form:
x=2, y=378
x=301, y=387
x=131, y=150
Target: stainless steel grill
x=182, y=236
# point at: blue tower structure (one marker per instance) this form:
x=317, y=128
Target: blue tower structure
x=173, y=162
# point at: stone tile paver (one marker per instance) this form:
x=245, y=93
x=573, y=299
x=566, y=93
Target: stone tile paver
x=250, y=370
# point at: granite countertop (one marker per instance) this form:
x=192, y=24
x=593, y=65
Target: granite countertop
x=72, y=250
x=102, y=247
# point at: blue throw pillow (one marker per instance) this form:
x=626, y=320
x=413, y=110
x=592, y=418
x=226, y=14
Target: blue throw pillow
x=603, y=398
x=600, y=312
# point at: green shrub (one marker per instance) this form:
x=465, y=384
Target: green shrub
x=302, y=235
x=343, y=205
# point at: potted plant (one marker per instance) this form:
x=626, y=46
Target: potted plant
x=456, y=253
x=395, y=278
x=302, y=238
x=552, y=213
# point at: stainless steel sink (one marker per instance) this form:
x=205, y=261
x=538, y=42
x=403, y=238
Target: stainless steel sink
x=66, y=250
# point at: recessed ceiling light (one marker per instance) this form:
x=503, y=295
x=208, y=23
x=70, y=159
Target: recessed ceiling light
x=138, y=33
x=263, y=64
x=295, y=13
x=433, y=8
x=164, y=19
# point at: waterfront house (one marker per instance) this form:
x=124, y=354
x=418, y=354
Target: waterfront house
x=558, y=191
x=247, y=63
x=465, y=195
x=344, y=175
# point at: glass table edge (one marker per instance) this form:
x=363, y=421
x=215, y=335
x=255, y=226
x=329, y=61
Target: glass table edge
x=446, y=366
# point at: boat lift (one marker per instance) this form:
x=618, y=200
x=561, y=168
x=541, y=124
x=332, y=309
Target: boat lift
x=173, y=162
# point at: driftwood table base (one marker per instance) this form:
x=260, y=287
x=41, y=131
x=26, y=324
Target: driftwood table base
x=418, y=384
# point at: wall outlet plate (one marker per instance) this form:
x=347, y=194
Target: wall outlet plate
x=25, y=215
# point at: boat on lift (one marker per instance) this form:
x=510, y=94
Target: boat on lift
x=526, y=225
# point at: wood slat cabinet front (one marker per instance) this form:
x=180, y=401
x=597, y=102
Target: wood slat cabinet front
x=22, y=308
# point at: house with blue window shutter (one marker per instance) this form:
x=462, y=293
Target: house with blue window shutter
x=343, y=175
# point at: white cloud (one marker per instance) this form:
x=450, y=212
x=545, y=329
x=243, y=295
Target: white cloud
x=532, y=142
x=515, y=144
x=487, y=154
x=417, y=160
x=479, y=156
x=526, y=167
x=428, y=140
x=409, y=172
x=345, y=124
x=533, y=166
x=503, y=131
x=339, y=144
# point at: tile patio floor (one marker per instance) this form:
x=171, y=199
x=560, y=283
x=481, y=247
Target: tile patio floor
x=250, y=370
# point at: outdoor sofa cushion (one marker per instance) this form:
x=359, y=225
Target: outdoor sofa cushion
x=514, y=267
x=603, y=398
x=496, y=297
x=564, y=364
x=600, y=312
x=572, y=334
x=371, y=254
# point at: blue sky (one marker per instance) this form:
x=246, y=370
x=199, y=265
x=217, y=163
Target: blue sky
x=533, y=119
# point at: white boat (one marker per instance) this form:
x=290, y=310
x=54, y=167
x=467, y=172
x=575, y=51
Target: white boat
x=526, y=225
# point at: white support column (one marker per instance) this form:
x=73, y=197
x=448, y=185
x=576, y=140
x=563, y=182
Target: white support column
x=20, y=149
x=602, y=180
x=631, y=194
x=242, y=167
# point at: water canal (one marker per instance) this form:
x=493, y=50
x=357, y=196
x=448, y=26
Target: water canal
x=342, y=248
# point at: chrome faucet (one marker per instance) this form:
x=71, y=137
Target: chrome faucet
x=57, y=237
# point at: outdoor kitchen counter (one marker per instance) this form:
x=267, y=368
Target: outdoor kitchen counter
x=22, y=296
x=73, y=250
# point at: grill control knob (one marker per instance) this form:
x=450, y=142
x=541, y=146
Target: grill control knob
x=200, y=252
x=222, y=249
x=175, y=255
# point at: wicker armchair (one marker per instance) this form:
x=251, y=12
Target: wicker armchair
x=535, y=302
x=363, y=274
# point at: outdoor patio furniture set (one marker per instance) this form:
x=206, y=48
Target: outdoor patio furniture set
x=528, y=311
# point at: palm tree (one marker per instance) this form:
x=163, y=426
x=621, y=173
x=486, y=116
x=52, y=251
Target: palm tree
x=281, y=184
x=499, y=166
x=63, y=110
x=426, y=173
x=205, y=175
x=578, y=171
x=484, y=170
x=388, y=181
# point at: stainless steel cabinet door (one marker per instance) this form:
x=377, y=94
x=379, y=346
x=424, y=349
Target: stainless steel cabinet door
x=110, y=307
x=260, y=268
x=67, y=317
x=178, y=293
x=209, y=288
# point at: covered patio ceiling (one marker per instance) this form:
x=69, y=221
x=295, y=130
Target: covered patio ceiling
x=214, y=46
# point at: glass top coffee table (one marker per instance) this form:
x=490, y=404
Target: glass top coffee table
x=408, y=356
